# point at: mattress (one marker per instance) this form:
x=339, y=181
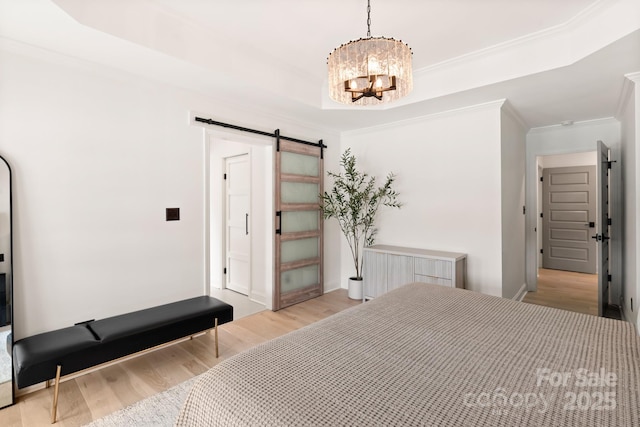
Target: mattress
x=427, y=355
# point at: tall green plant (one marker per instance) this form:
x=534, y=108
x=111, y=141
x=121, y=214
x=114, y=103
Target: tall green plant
x=354, y=201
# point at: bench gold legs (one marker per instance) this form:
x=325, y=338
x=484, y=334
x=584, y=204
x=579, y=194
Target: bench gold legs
x=54, y=407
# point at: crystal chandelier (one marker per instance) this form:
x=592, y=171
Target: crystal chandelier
x=370, y=71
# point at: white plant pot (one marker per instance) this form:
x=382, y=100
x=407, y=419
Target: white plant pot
x=355, y=288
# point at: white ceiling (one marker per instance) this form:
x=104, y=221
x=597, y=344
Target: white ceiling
x=553, y=60
x=302, y=33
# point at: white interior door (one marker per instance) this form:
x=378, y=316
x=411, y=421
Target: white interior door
x=238, y=239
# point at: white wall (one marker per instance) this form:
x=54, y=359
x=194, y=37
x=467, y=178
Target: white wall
x=512, y=137
x=555, y=140
x=449, y=178
x=630, y=160
x=97, y=156
x=568, y=160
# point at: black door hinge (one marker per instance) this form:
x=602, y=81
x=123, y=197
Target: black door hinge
x=225, y=176
x=541, y=251
x=608, y=277
x=225, y=270
x=541, y=179
x=524, y=210
x=541, y=215
x=608, y=221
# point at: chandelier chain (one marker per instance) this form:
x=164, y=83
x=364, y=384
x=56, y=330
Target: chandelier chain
x=369, y=19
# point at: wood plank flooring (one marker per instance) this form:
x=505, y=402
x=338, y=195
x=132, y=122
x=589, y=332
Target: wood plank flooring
x=566, y=290
x=101, y=392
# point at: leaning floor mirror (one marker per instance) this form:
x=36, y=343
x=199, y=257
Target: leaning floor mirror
x=6, y=290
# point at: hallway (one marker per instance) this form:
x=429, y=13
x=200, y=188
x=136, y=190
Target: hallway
x=566, y=290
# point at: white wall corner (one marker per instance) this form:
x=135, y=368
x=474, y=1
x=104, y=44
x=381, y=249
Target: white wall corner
x=628, y=317
x=635, y=77
x=508, y=108
x=630, y=81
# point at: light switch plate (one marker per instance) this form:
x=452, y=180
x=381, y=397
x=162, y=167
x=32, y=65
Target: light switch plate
x=173, y=214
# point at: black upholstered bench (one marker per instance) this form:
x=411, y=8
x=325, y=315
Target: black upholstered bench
x=61, y=352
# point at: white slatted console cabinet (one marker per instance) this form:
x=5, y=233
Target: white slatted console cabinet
x=388, y=267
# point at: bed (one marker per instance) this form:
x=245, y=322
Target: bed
x=431, y=356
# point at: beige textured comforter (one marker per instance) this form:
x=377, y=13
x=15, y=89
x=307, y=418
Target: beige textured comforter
x=433, y=356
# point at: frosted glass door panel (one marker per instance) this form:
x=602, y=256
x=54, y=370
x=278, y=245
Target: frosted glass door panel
x=300, y=192
x=299, y=278
x=296, y=250
x=299, y=164
x=293, y=222
x=298, y=222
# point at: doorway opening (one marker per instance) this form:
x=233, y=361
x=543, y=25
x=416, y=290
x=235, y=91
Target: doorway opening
x=240, y=223
x=567, y=275
x=568, y=225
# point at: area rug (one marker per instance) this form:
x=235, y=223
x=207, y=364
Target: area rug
x=158, y=410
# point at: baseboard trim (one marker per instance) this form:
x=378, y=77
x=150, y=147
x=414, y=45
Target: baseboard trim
x=521, y=293
x=625, y=316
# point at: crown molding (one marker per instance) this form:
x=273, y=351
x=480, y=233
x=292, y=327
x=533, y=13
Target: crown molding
x=508, y=108
x=634, y=77
x=519, y=42
x=630, y=82
x=584, y=123
x=596, y=27
x=496, y=105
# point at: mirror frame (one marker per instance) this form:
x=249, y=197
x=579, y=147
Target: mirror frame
x=10, y=282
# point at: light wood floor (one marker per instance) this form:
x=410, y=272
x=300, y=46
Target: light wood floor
x=96, y=394
x=567, y=290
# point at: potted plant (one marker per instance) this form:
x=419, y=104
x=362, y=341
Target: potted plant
x=354, y=201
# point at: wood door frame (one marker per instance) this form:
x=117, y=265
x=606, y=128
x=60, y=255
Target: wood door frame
x=603, y=228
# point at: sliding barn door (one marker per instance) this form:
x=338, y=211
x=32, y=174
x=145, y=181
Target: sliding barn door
x=298, y=260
